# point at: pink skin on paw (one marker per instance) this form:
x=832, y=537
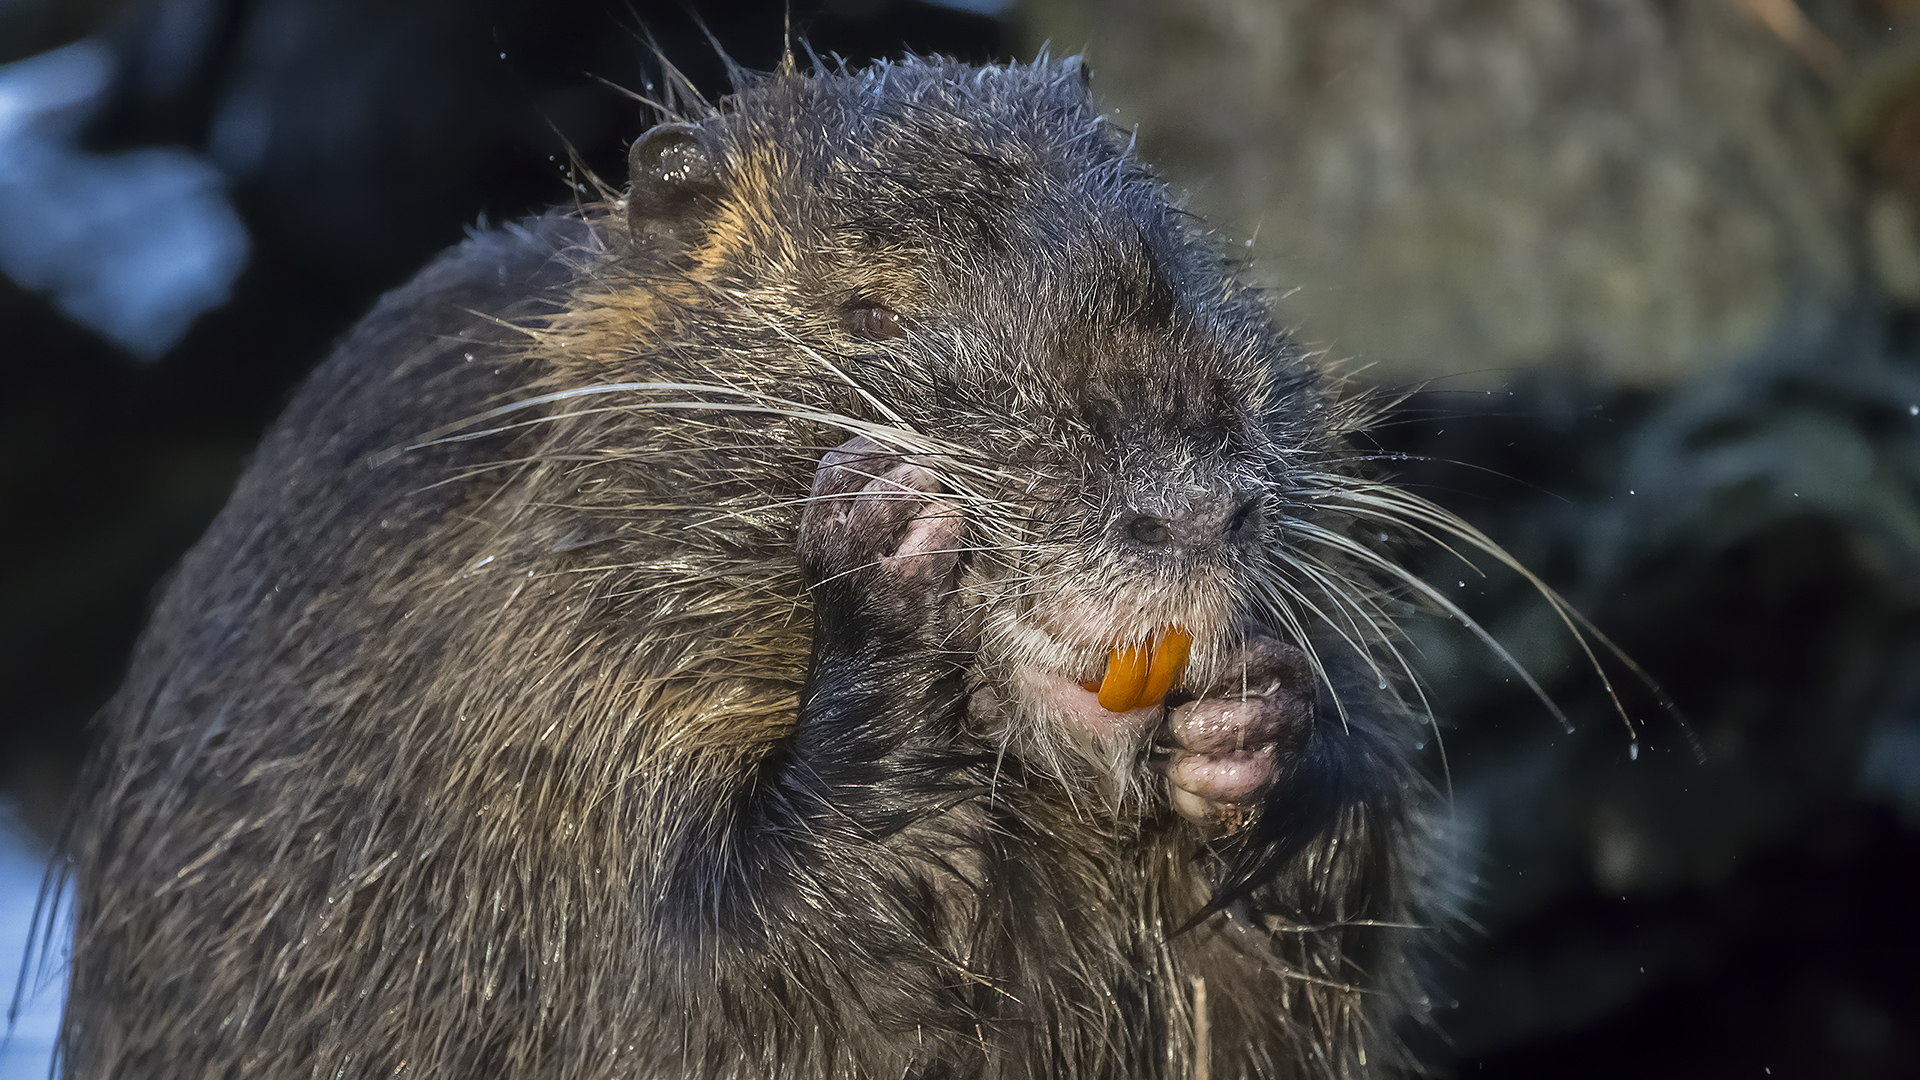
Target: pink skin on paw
x=1233, y=778
x=880, y=519
x=931, y=540
x=1232, y=743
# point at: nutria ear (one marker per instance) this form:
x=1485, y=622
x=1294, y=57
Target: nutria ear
x=677, y=173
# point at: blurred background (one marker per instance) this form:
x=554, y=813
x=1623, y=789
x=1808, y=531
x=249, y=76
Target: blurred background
x=1647, y=272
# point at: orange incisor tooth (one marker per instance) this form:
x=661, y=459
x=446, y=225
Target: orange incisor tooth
x=1142, y=674
x=1127, y=671
x=1169, y=663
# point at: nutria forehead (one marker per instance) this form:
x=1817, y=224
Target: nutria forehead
x=1039, y=268
x=938, y=135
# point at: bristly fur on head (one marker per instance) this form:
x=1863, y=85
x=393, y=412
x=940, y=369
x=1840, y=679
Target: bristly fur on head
x=1340, y=579
x=511, y=722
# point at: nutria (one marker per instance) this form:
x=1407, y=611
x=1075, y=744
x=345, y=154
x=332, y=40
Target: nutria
x=879, y=599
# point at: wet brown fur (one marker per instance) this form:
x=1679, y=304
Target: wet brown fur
x=491, y=730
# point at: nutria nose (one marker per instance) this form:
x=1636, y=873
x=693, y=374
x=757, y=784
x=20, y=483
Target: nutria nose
x=1191, y=525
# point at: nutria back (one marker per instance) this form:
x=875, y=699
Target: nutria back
x=881, y=599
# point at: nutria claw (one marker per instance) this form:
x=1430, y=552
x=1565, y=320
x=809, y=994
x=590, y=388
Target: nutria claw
x=1237, y=738
x=874, y=521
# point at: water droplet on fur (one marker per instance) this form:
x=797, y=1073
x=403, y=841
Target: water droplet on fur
x=1913, y=410
x=1633, y=752
x=1630, y=491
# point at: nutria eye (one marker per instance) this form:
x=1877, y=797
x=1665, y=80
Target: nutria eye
x=874, y=323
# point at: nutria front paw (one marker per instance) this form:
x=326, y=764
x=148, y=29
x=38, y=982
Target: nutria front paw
x=877, y=540
x=1238, y=737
